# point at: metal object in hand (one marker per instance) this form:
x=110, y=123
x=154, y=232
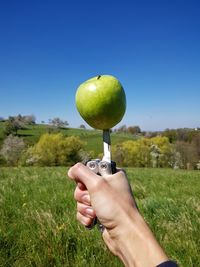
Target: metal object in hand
x=102, y=168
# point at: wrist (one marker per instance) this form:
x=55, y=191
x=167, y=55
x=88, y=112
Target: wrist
x=136, y=246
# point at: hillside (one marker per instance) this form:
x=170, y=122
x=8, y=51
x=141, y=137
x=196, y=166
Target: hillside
x=92, y=138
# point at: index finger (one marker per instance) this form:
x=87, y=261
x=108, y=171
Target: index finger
x=82, y=174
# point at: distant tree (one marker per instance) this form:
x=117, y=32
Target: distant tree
x=29, y=119
x=12, y=149
x=66, y=123
x=188, y=154
x=134, y=130
x=196, y=143
x=172, y=135
x=180, y=134
x=58, y=123
x=82, y=126
x=143, y=133
x=183, y=134
x=19, y=117
x=2, y=119
x=198, y=165
x=149, y=134
x=122, y=128
x=165, y=150
x=12, y=125
x=9, y=128
x=155, y=154
x=42, y=122
x=175, y=160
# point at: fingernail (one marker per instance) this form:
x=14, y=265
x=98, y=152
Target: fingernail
x=86, y=199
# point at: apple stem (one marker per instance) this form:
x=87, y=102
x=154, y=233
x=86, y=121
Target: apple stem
x=106, y=145
x=99, y=76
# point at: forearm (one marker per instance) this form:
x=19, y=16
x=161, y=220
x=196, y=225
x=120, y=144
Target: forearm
x=138, y=246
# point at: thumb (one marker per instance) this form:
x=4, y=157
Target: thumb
x=81, y=173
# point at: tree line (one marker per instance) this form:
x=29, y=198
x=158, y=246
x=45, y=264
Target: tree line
x=174, y=148
x=15, y=123
x=55, y=149
x=182, y=148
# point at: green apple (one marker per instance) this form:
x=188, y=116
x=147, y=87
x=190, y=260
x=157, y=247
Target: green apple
x=101, y=101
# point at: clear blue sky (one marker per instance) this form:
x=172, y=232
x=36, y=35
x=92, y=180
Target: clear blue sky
x=48, y=47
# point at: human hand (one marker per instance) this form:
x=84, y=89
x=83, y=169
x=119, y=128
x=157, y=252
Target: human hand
x=111, y=200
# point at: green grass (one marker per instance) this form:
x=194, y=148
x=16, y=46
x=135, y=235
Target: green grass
x=38, y=225
x=92, y=138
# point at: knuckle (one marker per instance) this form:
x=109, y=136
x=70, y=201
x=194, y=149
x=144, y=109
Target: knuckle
x=78, y=166
x=74, y=170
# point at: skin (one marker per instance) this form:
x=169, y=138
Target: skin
x=110, y=199
x=98, y=99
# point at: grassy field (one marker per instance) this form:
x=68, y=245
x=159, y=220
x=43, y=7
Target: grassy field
x=38, y=226
x=92, y=138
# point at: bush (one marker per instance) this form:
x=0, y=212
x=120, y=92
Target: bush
x=12, y=149
x=2, y=161
x=144, y=152
x=189, y=154
x=54, y=150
